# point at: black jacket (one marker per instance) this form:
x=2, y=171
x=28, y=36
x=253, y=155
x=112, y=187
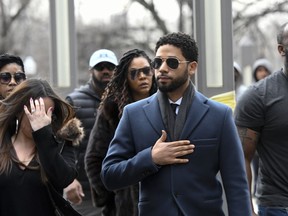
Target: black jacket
x=123, y=201
x=23, y=192
x=85, y=101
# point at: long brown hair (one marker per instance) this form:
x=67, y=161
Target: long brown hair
x=11, y=111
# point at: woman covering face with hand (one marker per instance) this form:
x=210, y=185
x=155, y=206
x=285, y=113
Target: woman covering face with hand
x=37, y=138
x=133, y=80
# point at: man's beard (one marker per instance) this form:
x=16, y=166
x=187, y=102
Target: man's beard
x=99, y=84
x=286, y=61
x=175, y=84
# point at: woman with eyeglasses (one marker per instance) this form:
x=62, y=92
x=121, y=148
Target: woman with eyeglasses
x=37, y=158
x=12, y=73
x=133, y=80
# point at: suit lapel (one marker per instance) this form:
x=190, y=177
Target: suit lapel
x=196, y=112
x=152, y=112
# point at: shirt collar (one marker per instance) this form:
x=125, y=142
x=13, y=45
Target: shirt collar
x=178, y=102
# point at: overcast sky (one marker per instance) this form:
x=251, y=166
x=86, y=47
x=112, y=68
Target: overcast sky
x=99, y=10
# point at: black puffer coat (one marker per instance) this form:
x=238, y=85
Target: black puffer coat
x=86, y=101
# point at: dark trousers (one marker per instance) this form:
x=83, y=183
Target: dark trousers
x=272, y=211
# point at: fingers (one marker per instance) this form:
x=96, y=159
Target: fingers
x=38, y=106
x=74, y=192
x=181, y=148
x=180, y=160
x=35, y=105
x=184, y=150
x=80, y=191
x=27, y=112
x=163, y=136
x=183, y=145
x=32, y=106
x=164, y=153
x=73, y=197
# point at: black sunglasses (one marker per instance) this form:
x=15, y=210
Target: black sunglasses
x=172, y=62
x=6, y=77
x=135, y=72
x=102, y=66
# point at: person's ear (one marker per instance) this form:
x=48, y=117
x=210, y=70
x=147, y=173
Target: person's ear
x=192, y=67
x=281, y=50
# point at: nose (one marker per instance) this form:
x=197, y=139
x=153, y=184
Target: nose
x=141, y=75
x=163, y=67
x=105, y=71
x=12, y=81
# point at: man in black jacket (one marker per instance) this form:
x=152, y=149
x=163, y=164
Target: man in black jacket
x=86, y=100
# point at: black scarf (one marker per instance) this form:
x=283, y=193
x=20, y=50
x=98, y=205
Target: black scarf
x=173, y=125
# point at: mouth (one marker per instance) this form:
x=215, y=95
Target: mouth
x=144, y=85
x=163, y=78
x=106, y=78
x=10, y=90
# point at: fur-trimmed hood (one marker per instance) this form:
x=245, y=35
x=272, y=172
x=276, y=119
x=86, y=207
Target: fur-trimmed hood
x=72, y=131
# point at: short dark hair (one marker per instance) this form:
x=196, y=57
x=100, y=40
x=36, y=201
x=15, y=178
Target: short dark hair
x=6, y=59
x=183, y=41
x=281, y=33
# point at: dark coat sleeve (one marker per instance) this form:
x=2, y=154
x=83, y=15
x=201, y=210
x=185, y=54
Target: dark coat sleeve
x=57, y=159
x=97, y=148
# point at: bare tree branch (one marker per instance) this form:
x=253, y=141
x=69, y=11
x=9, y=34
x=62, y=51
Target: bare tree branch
x=241, y=21
x=7, y=21
x=150, y=7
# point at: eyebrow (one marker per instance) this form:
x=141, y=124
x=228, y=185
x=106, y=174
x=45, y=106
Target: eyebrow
x=11, y=72
x=140, y=67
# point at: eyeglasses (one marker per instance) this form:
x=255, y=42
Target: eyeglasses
x=102, y=66
x=172, y=62
x=135, y=72
x=6, y=77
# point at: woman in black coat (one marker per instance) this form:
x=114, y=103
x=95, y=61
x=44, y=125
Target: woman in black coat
x=37, y=137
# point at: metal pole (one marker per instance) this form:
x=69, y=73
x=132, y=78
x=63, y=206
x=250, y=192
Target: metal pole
x=213, y=33
x=63, y=54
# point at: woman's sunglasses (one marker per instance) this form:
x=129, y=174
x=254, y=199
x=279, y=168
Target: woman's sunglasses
x=172, y=62
x=135, y=72
x=6, y=77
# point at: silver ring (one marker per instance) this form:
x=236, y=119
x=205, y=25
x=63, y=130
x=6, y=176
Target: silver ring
x=32, y=111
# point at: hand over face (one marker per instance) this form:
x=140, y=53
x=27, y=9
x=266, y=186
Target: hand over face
x=164, y=153
x=41, y=112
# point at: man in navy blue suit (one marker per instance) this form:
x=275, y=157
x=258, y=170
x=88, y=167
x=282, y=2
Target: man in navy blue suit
x=176, y=155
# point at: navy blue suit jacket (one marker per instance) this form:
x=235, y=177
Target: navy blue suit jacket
x=180, y=189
